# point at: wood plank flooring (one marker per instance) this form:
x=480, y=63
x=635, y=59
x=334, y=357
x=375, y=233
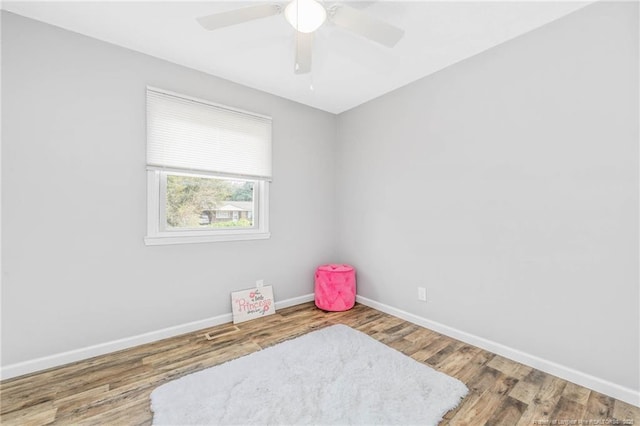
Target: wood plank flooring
x=114, y=389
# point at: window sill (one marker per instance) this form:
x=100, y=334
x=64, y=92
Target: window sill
x=166, y=240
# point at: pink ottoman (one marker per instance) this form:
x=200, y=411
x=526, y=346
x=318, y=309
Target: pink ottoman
x=335, y=287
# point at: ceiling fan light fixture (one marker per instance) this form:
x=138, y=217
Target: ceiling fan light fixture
x=305, y=16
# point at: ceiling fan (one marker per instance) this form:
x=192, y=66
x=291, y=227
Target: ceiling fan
x=306, y=16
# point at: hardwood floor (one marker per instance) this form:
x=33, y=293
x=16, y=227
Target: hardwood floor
x=114, y=389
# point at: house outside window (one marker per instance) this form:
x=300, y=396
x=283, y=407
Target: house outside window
x=208, y=171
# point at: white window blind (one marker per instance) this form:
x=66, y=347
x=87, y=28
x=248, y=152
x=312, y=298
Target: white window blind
x=190, y=134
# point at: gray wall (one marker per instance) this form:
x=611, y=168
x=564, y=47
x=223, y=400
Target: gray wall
x=75, y=269
x=507, y=185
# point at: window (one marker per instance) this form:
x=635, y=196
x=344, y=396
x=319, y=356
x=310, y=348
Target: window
x=208, y=171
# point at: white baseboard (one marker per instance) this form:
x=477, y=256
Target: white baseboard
x=57, y=360
x=603, y=386
x=295, y=301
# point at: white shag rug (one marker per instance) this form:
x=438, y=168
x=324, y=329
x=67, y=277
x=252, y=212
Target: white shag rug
x=336, y=375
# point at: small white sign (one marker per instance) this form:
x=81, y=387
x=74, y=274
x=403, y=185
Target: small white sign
x=253, y=303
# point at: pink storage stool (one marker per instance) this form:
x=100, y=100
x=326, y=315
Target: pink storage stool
x=335, y=287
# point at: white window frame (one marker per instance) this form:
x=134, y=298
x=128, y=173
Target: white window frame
x=156, y=202
x=157, y=234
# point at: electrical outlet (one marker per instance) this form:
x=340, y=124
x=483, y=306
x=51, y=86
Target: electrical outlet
x=422, y=294
x=260, y=283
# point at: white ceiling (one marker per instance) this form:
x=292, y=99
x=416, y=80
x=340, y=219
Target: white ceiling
x=347, y=69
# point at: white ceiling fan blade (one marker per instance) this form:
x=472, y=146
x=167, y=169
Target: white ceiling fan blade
x=238, y=16
x=367, y=26
x=304, y=52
